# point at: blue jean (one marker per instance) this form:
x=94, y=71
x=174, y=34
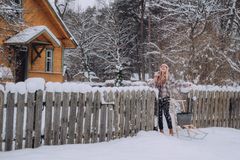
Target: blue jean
x=164, y=104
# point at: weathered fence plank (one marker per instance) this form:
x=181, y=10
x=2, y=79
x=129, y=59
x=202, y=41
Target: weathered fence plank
x=19, y=121
x=30, y=120
x=143, y=110
x=1, y=117
x=64, y=118
x=56, y=118
x=138, y=112
x=132, y=112
x=116, y=114
x=127, y=115
x=95, y=123
x=48, y=119
x=110, y=116
x=87, y=125
x=72, y=118
x=38, y=118
x=80, y=118
x=121, y=112
x=9, y=122
x=102, y=136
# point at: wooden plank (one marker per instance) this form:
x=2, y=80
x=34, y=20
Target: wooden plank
x=230, y=113
x=153, y=95
x=72, y=118
x=238, y=110
x=208, y=108
x=234, y=117
x=227, y=107
x=9, y=122
x=121, y=114
x=127, y=115
x=1, y=117
x=95, y=124
x=132, y=112
x=148, y=110
x=48, y=119
x=87, y=125
x=56, y=118
x=224, y=108
x=216, y=108
x=80, y=118
x=116, y=114
x=102, y=136
x=138, y=111
x=30, y=120
x=38, y=118
x=143, y=110
x=19, y=121
x=195, y=99
x=110, y=117
x=220, y=111
x=212, y=110
x=64, y=118
x=199, y=109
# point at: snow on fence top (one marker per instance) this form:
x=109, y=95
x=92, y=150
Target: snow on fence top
x=33, y=84
x=189, y=86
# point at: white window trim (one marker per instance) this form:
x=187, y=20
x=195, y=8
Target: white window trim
x=49, y=59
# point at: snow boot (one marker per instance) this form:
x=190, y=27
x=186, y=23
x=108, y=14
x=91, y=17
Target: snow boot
x=171, y=132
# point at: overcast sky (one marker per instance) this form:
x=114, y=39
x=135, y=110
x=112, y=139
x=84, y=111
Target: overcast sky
x=85, y=3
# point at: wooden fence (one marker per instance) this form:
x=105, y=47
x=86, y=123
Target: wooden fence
x=215, y=108
x=34, y=119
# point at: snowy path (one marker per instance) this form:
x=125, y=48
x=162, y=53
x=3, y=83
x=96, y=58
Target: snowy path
x=220, y=144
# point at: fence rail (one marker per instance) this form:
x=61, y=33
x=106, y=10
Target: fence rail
x=39, y=118
x=215, y=108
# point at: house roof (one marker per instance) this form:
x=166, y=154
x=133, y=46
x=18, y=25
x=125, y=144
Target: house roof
x=54, y=10
x=29, y=34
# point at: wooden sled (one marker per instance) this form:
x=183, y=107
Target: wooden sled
x=183, y=123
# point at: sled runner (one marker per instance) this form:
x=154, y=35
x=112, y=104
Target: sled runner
x=182, y=117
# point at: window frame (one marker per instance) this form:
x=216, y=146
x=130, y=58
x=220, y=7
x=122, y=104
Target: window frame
x=49, y=59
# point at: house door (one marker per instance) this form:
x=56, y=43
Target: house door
x=21, y=65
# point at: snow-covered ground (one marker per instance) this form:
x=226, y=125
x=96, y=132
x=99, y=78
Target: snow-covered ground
x=220, y=144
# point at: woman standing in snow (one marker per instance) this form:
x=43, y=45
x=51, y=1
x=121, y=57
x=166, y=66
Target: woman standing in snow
x=161, y=82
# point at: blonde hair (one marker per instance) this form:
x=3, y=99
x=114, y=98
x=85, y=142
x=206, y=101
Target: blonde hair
x=161, y=76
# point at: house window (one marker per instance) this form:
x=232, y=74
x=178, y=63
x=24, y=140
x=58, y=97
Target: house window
x=49, y=60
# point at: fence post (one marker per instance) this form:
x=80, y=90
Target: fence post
x=110, y=116
x=38, y=118
x=121, y=112
x=103, y=119
x=87, y=125
x=1, y=116
x=116, y=115
x=9, y=121
x=30, y=120
x=48, y=118
x=56, y=118
x=80, y=118
x=132, y=112
x=127, y=114
x=19, y=120
x=138, y=111
x=64, y=118
x=95, y=124
x=143, y=110
x=72, y=118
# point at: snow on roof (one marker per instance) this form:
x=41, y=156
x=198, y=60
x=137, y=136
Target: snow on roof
x=51, y=4
x=29, y=34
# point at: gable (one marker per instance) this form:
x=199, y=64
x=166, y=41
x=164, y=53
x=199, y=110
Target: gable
x=41, y=13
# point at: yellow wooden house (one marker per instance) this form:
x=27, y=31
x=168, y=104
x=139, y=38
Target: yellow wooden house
x=38, y=47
